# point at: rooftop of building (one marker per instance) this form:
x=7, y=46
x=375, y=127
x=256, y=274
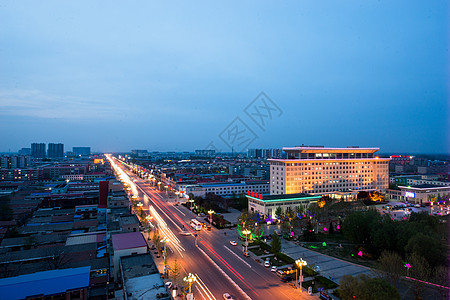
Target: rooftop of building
x=37, y=239
x=219, y=184
x=283, y=197
x=128, y=240
x=138, y=265
x=142, y=279
x=322, y=149
x=425, y=187
x=131, y=219
x=44, y=283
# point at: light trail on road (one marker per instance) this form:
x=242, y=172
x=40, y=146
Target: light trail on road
x=227, y=265
x=204, y=288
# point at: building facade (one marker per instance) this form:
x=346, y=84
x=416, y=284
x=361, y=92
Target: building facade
x=55, y=150
x=267, y=205
x=38, y=150
x=83, y=151
x=320, y=170
x=226, y=189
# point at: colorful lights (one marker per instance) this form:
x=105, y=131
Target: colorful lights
x=324, y=244
x=360, y=253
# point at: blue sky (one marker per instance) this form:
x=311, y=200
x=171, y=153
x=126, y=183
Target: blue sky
x=172, y=76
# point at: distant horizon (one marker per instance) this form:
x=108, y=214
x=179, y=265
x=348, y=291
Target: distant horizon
x=380, y=152
x=226, y=75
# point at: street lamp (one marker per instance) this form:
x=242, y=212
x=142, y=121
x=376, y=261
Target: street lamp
x=210, y=212
x=246, y=232
x=300, y=262
x=165, y=240
x=190, y=279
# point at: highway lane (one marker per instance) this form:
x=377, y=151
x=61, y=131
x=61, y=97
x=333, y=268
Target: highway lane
x=254, y=279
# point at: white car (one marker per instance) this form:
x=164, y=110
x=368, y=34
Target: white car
x=273, y=269
x=227, y=296
x=267, y=263
x=233, y=243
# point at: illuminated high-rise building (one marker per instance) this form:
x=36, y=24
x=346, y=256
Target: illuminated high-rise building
x=320, y=170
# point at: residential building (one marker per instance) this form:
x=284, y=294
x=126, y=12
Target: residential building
x=25, y=151
x=55, y=284
x=125, y=244
x=38, y=150
x=55, y=150
x=205, y=153
x=82, y=151
x=14, y=161
x=320, y=170
x=141, y=278
x=139, y=153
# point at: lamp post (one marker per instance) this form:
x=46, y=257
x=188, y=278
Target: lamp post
x=210, y=212
x=165, y=240
x=300, y=262
x=149, y=224
x=246, y=232
x=190, y=279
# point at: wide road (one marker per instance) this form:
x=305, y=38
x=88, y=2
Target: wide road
x=219, y=266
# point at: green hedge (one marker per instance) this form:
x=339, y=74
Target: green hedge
x=326, y=282
x=284, y=257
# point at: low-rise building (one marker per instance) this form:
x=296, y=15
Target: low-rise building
x=423, y=193
x=227, y=188
x=266, y=205
x=125, y=244
x=55, y=284
x=141, y=278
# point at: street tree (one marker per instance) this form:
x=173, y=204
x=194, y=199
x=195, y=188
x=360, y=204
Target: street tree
x=391, y=266
x=275, y=243
x=175, y=272
x=366, y=288
x=278, y=212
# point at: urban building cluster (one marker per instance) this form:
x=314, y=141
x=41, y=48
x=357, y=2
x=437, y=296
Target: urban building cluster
x=76, y=231
x=303, y=171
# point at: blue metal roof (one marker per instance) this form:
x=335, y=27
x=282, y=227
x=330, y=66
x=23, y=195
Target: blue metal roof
x=44, y=283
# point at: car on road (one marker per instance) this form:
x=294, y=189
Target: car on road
x=273, y=269
x=246, y=254
x=169, y=284
x=227, y=296
x=280, y=274
x=208, y=227
x=267, y=263
x=185, y=233
x=286, y=278
x=233, y=243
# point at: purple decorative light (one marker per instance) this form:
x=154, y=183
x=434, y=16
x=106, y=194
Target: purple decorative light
x=325, y=229
x=292, y=233
x=360, y=253
x=338, y=227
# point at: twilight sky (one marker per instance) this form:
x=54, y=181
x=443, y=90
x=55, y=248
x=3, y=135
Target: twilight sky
x=183, y=75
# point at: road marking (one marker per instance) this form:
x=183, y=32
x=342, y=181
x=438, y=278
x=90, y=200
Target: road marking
x=207, y=291
x=237, y=256
x=225, y=274
x=179, y=211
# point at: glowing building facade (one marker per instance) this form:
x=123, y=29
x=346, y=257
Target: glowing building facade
x=320, y=170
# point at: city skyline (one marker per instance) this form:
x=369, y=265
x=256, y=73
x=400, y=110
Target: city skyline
x=167, y=77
